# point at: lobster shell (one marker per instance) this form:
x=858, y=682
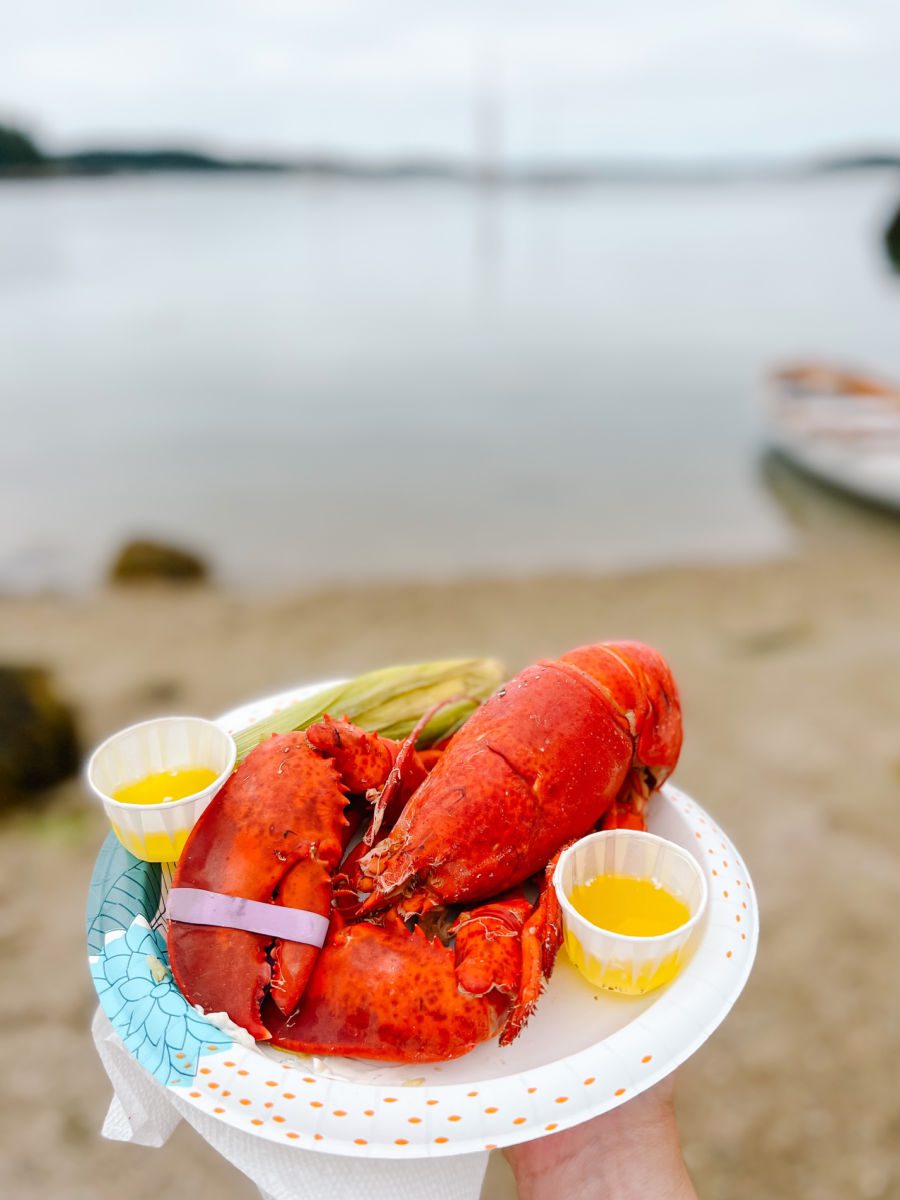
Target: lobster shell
x=538, y=765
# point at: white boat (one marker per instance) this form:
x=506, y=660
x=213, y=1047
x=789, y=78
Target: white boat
x=840, y=426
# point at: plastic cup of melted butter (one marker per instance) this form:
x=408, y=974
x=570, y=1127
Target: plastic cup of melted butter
x=630, y=902
x=156, y=778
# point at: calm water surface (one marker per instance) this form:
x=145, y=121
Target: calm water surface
x=317, y=382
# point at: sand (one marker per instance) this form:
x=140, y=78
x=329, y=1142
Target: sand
x=790, y=674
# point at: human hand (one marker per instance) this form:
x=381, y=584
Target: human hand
x=629, y=1153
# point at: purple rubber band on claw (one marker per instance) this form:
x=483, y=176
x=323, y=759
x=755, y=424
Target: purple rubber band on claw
x=195, y=906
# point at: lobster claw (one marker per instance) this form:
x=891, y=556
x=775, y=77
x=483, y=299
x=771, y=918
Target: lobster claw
x=487, y=951
x=385, y=992
x=275, y=828
x=275, y=833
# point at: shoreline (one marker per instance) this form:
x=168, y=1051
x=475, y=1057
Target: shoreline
x=100, y=637
x=816, y=520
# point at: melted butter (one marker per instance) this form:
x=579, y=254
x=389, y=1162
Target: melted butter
x=165, y=786
x=154, y=846
x=627, y=976
x=633, y=907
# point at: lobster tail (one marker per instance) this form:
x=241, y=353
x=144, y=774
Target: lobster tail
x=542, y=762
x=639, y=686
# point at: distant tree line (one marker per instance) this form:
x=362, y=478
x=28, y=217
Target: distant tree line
x=20, y=155
x=17, y=149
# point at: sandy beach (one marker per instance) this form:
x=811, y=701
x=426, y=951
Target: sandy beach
x=789, y=675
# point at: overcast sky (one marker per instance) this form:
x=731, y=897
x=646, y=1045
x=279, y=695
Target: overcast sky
x=593, y=79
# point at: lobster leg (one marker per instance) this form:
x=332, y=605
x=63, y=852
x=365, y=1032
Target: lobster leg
x=409, y=770
x=542, y=937
x=351, y=880
x=407, y=774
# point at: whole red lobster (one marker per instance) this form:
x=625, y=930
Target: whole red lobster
x=564, y=747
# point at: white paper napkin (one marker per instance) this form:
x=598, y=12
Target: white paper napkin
x=145, y=1112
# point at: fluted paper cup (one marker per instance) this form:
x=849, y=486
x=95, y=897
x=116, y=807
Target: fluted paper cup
x=619, y=962
x=157, y=832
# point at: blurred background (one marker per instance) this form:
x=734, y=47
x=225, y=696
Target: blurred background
x=337, y=336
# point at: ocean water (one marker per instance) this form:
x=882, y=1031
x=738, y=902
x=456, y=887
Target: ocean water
x=314, y=381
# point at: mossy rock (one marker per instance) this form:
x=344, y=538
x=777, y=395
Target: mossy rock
x=140, y=561
x=38, y=736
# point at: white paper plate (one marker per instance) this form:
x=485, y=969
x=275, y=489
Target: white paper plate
x=583, y=1052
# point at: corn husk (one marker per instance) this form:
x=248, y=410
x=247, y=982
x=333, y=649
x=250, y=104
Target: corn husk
x=390, y=701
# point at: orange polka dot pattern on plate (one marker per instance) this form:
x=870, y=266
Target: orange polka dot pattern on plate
x=283, y=1102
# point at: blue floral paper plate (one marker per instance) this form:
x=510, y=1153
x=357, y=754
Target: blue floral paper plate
x=129, y=965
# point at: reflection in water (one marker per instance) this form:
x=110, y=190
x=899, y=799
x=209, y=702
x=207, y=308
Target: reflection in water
x=487, y=220
x=824, y=517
